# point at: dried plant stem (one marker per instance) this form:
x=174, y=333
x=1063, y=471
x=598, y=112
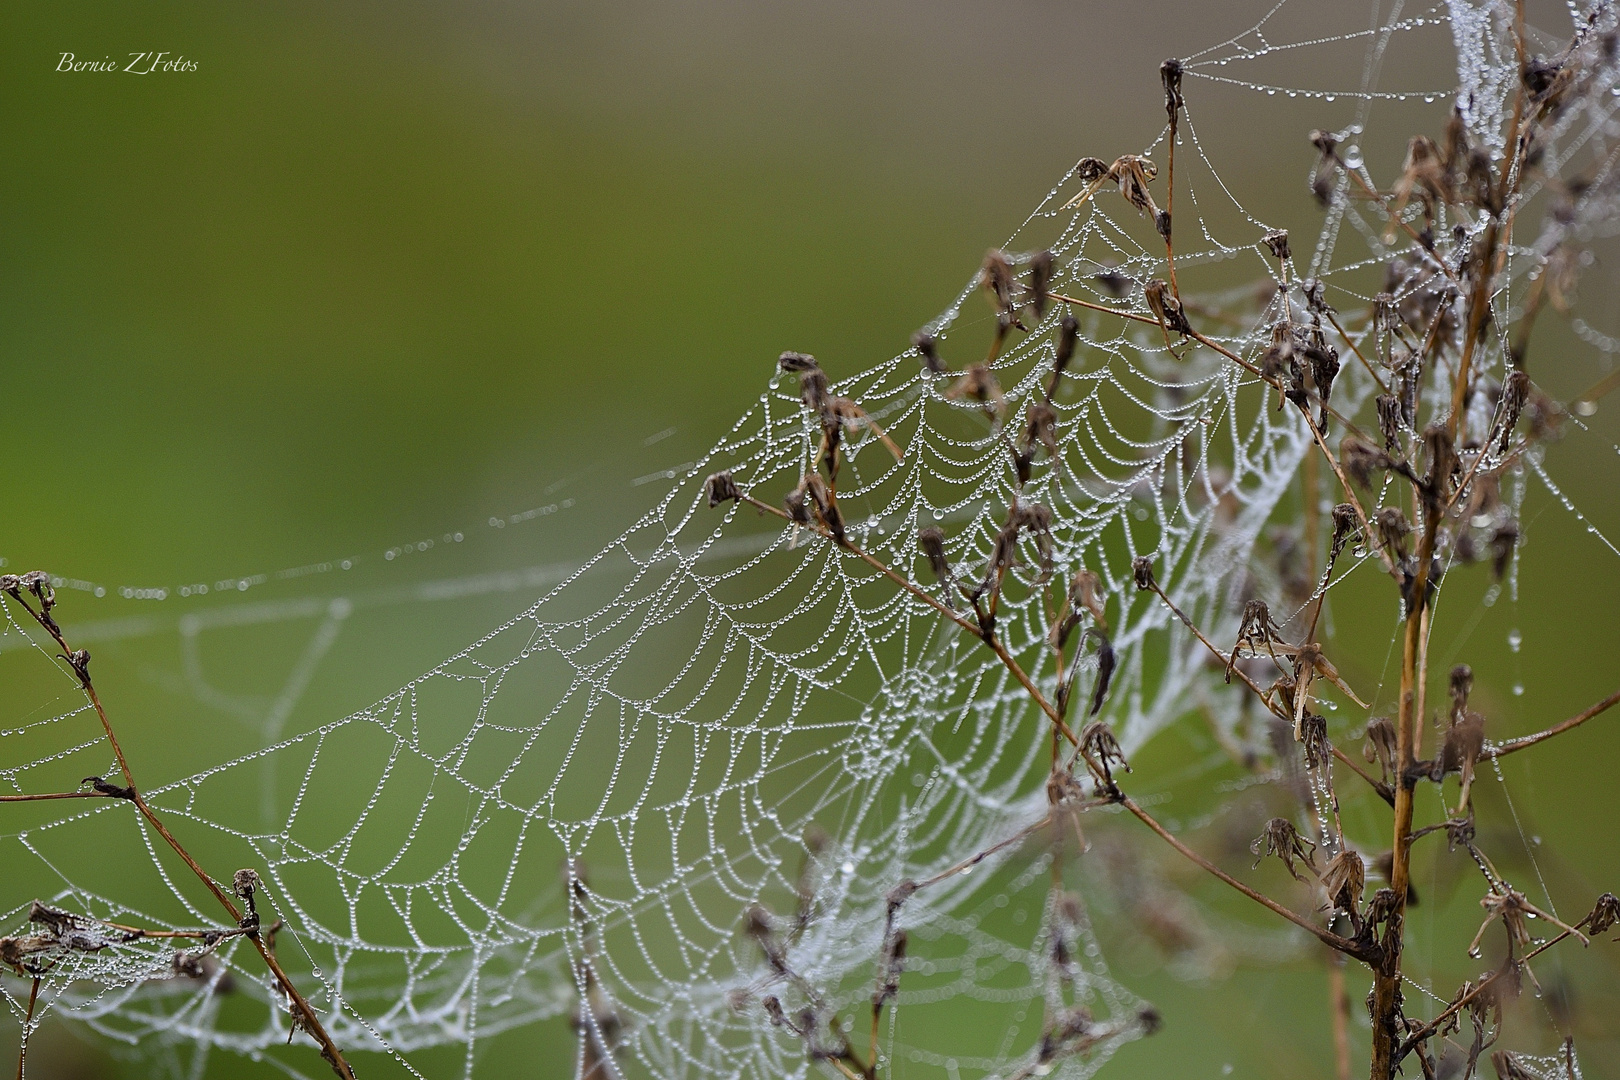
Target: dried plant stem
x=27, y=1029
x=1339, y=1003
x=1105, y=309
x=1525, y=741
x=54, y=795
x=1383, y=387
x=978, y=857
x=1386, y=995
x=304, y=1014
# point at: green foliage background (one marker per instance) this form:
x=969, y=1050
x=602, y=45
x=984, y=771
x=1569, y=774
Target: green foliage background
x=382, y=272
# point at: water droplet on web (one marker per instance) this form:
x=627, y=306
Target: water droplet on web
x=1352, y=157
x=1270, y=90
x=939, y=515
x=848, y=867
x=1518, y=689
x=1515, y=639
x=1429, y=98
x=1491, y=594
x=1329, y=97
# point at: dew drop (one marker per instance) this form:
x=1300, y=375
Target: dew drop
x=939, y=515
x=1515, y=639
x=1518, y=689
x=1352, y=157
x=1429, y=98
x=1491, y=595
x=1329, y=97
x=1271, y=92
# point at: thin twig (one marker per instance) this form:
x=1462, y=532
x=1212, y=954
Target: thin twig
x=1514, y=745
x=305, y=1014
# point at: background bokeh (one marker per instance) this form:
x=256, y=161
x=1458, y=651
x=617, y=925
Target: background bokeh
x=382, y=274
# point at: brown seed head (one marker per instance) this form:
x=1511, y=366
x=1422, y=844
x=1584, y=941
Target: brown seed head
x=721, y=487
x=927, y=346
x=932, y=542
x=796, y=362
x=1041, y=268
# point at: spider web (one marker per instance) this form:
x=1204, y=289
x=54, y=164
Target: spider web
x=572, y=815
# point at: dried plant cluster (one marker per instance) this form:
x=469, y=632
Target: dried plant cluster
x=59, y=935
x=1418, y=483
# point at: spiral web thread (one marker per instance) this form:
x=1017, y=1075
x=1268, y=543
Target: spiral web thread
x=571, y=815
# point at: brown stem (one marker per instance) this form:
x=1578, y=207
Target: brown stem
x=1385, y=1004
x=28, y=1020
x=1339, y=1003
x=305, y=1013
x=1513, y=745
x=1105, y=309
x=1364, y=361
x=55, y=795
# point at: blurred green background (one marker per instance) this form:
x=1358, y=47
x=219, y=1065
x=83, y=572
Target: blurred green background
x=375, y=275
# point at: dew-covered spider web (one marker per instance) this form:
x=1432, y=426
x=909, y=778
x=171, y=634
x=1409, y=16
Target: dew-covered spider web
x=723, y=712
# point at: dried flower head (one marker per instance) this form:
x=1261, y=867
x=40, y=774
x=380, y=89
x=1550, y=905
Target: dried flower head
x=1390, y=420
x=1343, y=879
x=1170, y=76
x=1605, y=913
x=1280, y=838
x=932, y=542
x=821, y=496
x=1379, y=745
x=797, y=362
x=1068, y=337
x=1097, y=741
x=1515, y=392
x=1142, y=573
x=1165, y=307
x=1462, y=684
x=927, y=346
x=978, y=383
x=1277, y=242
x=1041, y=272
x=721, y=487
x=1132, y=173
x=1361, y=459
